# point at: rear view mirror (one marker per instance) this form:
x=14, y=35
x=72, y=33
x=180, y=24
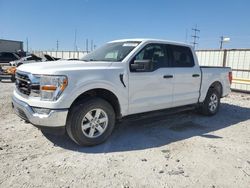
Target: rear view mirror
x=142, y=65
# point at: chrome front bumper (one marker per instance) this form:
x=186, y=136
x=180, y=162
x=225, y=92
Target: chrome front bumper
x=55, y=118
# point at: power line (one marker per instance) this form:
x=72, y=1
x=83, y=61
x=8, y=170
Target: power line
x=195, y=36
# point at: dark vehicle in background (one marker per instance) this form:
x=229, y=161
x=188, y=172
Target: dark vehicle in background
x=8, y=70
x=50, y=58
x=71, y=59
x=6, y=57
x=32, y=58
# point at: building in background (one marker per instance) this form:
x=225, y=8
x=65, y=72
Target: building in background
x=10, y=45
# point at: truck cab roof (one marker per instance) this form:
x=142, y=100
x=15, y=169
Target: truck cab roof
x=151, y=40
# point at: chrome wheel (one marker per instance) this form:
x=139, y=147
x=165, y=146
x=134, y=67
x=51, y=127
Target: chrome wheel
x=213, y=102
x=94, y=123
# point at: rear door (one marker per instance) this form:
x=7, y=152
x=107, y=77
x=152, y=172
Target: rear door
x=151, y=90
x=187, y=75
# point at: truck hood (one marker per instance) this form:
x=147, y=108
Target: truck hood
x=57, y=67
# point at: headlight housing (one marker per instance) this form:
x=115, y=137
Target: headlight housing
x=51, y=87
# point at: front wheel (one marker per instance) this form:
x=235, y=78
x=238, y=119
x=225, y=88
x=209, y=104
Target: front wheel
x=90, y=122
x=212, y=103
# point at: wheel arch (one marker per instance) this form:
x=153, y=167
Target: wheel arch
x=205, y=88
x=105, y=94
x=218, y=86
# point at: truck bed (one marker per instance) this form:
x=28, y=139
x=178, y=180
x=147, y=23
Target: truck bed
x=210, y=74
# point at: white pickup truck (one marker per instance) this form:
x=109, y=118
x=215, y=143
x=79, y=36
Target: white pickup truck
x=122, y=78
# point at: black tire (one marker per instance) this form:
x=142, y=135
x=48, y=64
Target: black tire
x=206, y=108
x=77, y=115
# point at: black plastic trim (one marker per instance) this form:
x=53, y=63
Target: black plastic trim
x=122, y=81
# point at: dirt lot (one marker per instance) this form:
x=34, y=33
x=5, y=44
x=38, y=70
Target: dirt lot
x=182, y=150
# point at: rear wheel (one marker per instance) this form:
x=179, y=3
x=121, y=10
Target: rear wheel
x=90, y=122
x=212, y=102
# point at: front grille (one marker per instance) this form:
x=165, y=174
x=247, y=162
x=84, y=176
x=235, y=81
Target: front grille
x=23, y=83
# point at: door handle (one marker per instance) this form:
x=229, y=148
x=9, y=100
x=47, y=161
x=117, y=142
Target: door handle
x=168, y=76
x=196, y=75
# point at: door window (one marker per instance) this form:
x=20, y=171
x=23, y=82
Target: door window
x=181, y=56
x=154, y=52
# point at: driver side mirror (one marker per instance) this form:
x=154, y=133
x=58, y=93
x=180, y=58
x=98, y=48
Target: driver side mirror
x=142, y=66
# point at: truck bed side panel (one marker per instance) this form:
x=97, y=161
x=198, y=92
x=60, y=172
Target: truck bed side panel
x=211, y=75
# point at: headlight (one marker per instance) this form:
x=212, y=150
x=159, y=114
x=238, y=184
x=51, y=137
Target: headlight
x=51, y=87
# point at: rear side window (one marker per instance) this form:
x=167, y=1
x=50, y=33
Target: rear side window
x=181, y=56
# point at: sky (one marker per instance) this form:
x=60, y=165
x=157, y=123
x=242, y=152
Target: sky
x=44, y=22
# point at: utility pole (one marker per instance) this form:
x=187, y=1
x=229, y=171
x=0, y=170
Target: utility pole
x=186, y=36
x=87, y=45
x=223, y=40
x=57, y=45
x=92, y=45
x=75, y=46
x=27, y=44
x=195, y=36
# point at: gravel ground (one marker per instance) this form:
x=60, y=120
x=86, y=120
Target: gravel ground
x=181, y=150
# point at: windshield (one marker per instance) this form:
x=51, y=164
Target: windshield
x=116, y=51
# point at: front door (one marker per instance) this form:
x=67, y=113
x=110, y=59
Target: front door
x=151, y=90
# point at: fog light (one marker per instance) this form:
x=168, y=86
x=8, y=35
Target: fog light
x=41, y=110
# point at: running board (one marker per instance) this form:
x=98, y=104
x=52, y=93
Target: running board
x=160, y=113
